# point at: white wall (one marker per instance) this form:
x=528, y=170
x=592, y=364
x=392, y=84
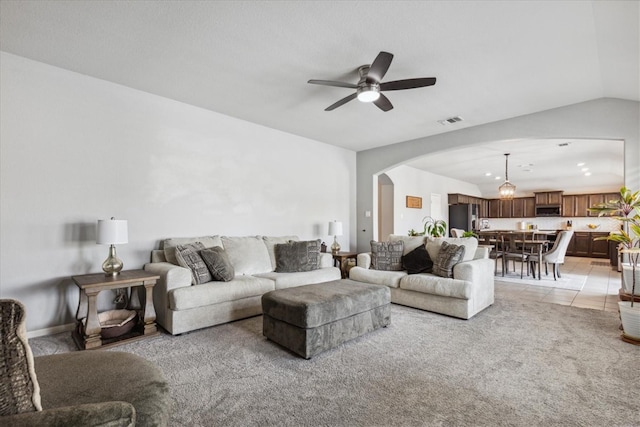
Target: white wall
x=74, y=149
x=408, y=181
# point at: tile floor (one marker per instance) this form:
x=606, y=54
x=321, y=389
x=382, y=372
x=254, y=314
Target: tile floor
x=600, y=291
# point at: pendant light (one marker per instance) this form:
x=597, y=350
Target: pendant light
x=507, y=189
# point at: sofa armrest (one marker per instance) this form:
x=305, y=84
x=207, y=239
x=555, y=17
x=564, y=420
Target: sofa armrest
x=481, y=253
x=364, y=260
x=114, y=414
x=480, y=273
x=171, y=276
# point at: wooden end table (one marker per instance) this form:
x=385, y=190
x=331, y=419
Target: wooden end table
x=87, y=336
x=341, y=260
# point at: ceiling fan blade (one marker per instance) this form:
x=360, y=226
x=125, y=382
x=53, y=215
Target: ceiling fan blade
x=341, y=102
x=379, y=67
x=333, y=83
x=383, y=103
x=408, y=83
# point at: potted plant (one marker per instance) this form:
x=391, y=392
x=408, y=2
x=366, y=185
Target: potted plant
x=627, y=210
x=434, y=227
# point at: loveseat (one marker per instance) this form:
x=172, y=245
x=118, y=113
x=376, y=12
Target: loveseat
x=183, y=306
x=469, y=291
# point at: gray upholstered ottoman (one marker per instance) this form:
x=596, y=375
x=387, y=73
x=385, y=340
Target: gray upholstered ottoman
x=313, y=318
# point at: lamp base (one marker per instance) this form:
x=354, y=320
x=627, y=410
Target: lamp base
x=112, y=265
x=335, y=247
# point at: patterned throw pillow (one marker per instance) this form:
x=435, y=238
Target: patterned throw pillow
x=448, y=256
x=188, y=256
x=417, y=261
x=295, y=256
x=218, y=263
x=386, y=256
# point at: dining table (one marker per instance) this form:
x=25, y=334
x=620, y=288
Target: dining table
x=535, y=240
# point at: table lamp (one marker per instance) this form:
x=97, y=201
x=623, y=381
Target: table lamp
x=112, y=232
x=335, y=229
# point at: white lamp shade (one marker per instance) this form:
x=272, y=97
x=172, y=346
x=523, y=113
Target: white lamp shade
x=335, y=228
x=112, y=232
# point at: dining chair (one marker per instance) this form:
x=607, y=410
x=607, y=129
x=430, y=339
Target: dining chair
x=456, y=232
x=555, y=255
x=515, y=252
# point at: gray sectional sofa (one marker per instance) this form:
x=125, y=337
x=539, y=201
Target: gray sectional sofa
x=181, y=306
x=470, y=291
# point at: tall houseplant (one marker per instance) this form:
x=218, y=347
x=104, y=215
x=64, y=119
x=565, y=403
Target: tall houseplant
x=432, y=227
x=627, y=210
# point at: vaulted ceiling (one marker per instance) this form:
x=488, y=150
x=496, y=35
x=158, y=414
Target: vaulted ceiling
x=251, y=59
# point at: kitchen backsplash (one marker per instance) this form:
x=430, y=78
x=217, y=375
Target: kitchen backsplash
x=556, y=223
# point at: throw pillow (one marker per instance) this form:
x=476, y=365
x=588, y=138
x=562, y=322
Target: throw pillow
x=218, y=263
x=188, y=256
x=417, y=261
x=448, y=256
x=386, y=256
x=297, y=256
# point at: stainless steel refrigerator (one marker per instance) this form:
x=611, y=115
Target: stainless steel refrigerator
x=464, y=216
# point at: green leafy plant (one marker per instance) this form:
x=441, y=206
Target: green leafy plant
x=469, y=234
x=627, y=210
x=434, y=227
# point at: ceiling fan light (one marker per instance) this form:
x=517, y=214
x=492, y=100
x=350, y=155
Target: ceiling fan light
x=368, y=95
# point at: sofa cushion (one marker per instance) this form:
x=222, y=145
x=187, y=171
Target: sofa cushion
x=169, y=245
x=218, y=263
x=272, y=241
x=290, y=280
x=386, y=256
x=417, y=261
x=188, y=256
x=448, y=256
x=435, y=285
x=207, y=294
x=409, y=242
x=470, y=245
x=293, y=257
x=248, y=255
x=377, y=277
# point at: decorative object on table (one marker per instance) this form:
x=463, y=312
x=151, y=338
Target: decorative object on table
x=569, y=225
x=627, y=210
x=323, y=247
x=593, y=226
x=112, y=232
x=414, y=202
x=507, y=190
x=335, y=230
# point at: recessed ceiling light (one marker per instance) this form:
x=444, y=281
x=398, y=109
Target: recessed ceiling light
x=497, y=177
x=580, y=164
x=587, y=174
x=563, y=144
x=487, y=174
x=525, y=165
x=584, y=169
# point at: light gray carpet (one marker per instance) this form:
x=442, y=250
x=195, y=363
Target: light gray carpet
x=520, y=364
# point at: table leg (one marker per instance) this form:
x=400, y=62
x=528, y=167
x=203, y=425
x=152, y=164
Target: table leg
x=149, y=310
x=540, y=264
x=92, y=328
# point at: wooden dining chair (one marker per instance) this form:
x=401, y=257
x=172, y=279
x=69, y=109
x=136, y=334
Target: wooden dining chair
x=515, y=252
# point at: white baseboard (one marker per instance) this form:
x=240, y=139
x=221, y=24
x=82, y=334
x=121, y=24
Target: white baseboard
x=51, y=331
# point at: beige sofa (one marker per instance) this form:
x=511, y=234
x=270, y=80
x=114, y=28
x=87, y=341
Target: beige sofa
x=182, y=307
x=470, y=291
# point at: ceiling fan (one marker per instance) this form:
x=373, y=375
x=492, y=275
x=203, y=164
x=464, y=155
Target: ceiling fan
x=369, y=86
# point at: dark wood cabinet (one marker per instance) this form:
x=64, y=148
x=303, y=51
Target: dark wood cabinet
x=484, y=208
x=593, y=200
x=506, y=208
x=549, y=198
x=529, y=207
x=583, y=244
x=569, y=206
x=517, y=208
x=582, y=203
x=494, y=208
x=523, y=207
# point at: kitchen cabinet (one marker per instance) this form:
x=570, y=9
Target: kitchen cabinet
x=484, y=208
x=549, y=198
x=568, y=206
x=494, y=208
x=593, y=200
x=523, y=207
x=582, y=203
x=583, y=245
x=506, y=208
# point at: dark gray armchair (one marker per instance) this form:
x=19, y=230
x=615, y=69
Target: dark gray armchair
x=87, y=388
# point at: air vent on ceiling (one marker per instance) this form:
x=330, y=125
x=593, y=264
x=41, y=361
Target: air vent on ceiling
x=451, y=120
